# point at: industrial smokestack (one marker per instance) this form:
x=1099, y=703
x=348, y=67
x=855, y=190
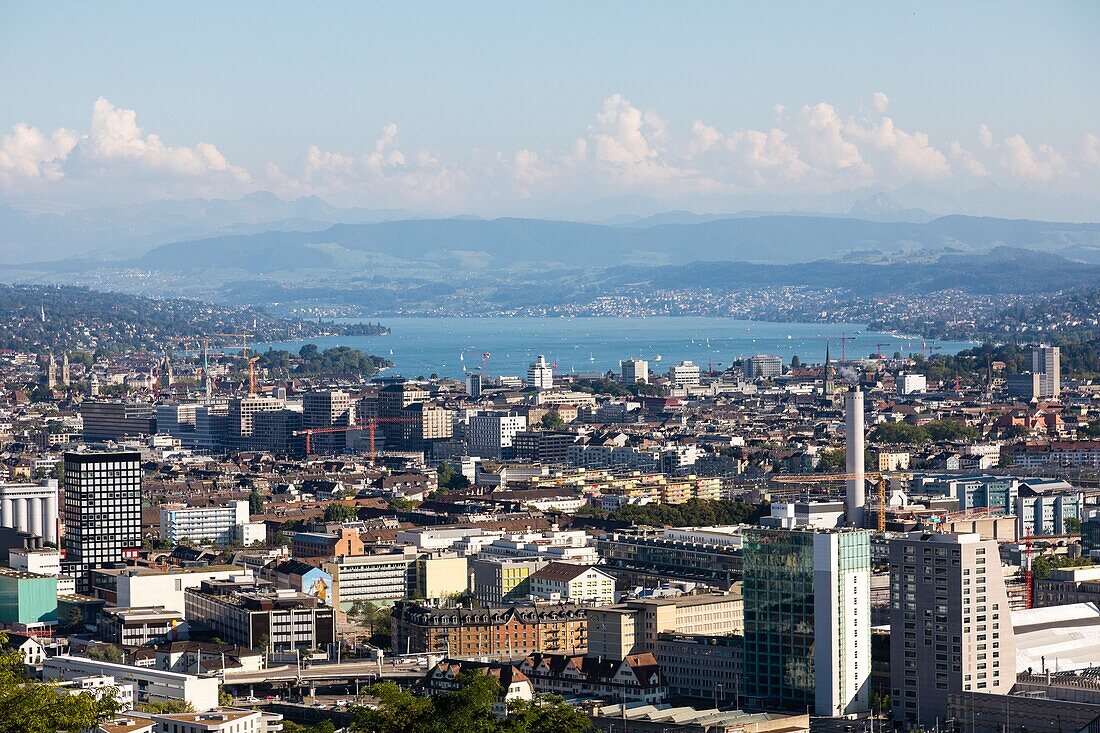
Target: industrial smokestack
x=853, y=456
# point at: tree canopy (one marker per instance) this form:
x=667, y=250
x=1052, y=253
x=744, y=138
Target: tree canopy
x=336, y=512
x=468, y=709
x=27, y=706
x=450, y=479
x=693, y=513
x=342, y=361
x=934, y=431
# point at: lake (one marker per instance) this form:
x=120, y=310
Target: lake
x=450, y=346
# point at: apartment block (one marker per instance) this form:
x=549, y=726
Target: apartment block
x=950, y=623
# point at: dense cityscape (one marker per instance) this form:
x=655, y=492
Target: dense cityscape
x=226, y=537
x=495, y=367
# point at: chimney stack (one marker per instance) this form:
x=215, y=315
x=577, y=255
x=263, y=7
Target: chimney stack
x=853, y=457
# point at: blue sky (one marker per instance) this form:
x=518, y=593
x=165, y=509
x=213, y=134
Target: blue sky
x=486, y=102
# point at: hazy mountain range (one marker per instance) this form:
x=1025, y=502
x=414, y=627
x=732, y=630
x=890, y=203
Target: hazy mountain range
x=478, y=245
x=265, y=251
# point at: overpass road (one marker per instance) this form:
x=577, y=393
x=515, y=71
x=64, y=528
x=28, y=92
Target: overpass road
x=358, y=670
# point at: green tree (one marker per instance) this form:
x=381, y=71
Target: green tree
x=105, y=653
x=27, y=706
x=75, y=619
x=467, y=709
x=256, y=502
x=949, y=430
x=692, y=513
x=340, y=513
x=552, y=420
x=832, y=461
x=1073, y=525
x=401, y=504
x=1042, y=565
x=370, y=616
x=900, y=432
x=450, y=479
x=590, y=511
x=795, y=362
x=544, y=714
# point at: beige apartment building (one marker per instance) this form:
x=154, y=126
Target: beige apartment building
x=632, y=627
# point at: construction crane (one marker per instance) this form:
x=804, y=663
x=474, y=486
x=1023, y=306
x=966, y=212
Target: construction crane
x=844, y=339
x=243, y=346
x=484, y=360
x=880, y=477
x=878, y=349
x=370, y=425
x=1029, y=576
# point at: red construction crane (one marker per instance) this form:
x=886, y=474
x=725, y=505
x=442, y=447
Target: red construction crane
x=484, y=360
x=370, y=425
x=1028, y=575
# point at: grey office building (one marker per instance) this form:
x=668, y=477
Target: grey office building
x=112, y=420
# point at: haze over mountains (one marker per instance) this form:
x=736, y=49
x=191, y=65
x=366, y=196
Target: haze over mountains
x=503, y=243
x=262, y=250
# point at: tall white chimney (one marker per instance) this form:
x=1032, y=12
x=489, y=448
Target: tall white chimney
x=853, y=456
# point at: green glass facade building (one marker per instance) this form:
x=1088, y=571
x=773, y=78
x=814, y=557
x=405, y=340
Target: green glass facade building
x=807, y=620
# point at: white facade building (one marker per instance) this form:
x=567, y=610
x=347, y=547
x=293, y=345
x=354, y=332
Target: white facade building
x=684, y=374
x=911, y=383
x=577, y=583
x=540, y=375
x=137, y=587
x=490, y=434
x=219, y=525
x=152, y=685
x=226, y=720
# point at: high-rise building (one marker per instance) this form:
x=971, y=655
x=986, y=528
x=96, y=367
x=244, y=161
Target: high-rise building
x=473, y=384
x=274, y=430
x=112, y=420
x=540, y=375
x=684, y=374
x=1046, y=361
x=950, y=623
x=102, y=511
x=325, y=409
x=490, y=434
x=635, y=371
x=402, y=431
x=762, y=366
x=242, y=412
x=807, y=599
